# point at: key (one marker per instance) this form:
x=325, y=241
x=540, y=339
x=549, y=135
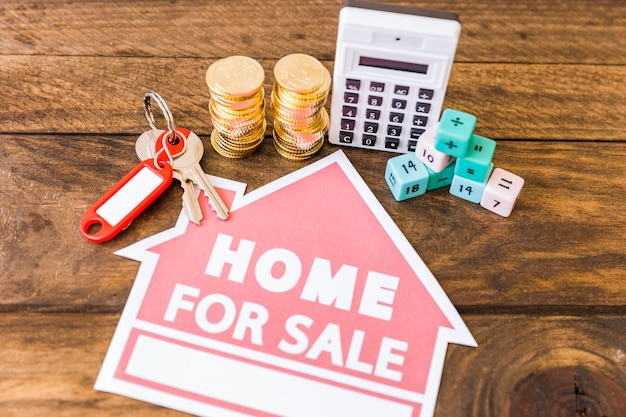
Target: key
x=189, y=164
x=166, y=147
x=190, y=199
x=145, y=149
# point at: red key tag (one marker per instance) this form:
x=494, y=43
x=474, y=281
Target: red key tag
x=116, y=210
x=175, y=146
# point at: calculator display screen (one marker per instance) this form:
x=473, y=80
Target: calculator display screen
x=367, y=61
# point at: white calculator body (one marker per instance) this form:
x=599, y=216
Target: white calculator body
x=392, y=66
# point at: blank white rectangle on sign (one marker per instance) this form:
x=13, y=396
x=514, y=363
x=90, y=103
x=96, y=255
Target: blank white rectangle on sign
x=233, y=381
x=129, y=196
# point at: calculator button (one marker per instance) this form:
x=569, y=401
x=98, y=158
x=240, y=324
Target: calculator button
x=394, y=130
x=353, y=85
x=345, y=137
x=351, y=98
x=347, y=124
x=416, y=133
x=396, y=117
x=348, y=111
x=377, y=87
x=398, y=104
x=372, y=114
x=420, y=120
x=374, y=100
x=422, y=107
x=401, y=90
x=392, y=143
x=370, y=127
x=412, y=145
x=426, y=94
x=369, y=140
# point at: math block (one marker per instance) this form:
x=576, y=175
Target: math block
x=406, y=176
x=501, y=192
x=475, y=164
x=426, y=152
x=467, y=189
x=440, y=179
x=455, y=132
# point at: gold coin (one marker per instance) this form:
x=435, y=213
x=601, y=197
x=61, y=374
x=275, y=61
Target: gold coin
x=300, y=107
x=237, y=106
x=318, y=121
x=296, y=99
x=227, y=151
x=302, y=99
x=227, y=114
x=244, y=135
x=300, y=73
x=235, y=76
x=318, y=124
x=277, y=105
x=301, y=140
x=294, y=155
x=241, y=103
x=295, y=115
x=295, y=124
x=239, y=133
x=297, y=103
x=227, y=97
x=244, y=138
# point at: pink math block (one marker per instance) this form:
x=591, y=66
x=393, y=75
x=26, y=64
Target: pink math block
x=501, y=192
x=425, y=151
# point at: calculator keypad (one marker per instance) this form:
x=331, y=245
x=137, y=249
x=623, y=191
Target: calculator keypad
x=383, y=115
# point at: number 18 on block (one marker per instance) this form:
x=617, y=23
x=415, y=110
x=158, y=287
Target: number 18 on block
x=406, y=176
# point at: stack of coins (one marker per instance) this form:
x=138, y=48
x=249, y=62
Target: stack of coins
x=297, y=106
x=237, y=106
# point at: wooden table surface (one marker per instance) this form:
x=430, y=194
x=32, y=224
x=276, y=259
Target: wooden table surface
x=543, y=292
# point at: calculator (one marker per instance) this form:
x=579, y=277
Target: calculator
x=392, y=66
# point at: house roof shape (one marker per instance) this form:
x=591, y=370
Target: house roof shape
x=385, y=337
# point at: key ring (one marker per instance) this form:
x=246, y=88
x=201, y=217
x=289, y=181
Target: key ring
x=171, y=138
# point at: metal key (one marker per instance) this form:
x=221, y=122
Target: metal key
x=190, y=199
x=188, y=163
x=144, y=147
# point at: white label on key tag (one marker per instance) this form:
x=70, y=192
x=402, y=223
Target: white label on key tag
x=129, y=196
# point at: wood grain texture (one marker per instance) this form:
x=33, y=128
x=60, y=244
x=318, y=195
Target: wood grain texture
x=547, y=102
x=511, y=373
x=541, y=291
x=493, y=30
x=49, y=365
x=567, y=230
x=537, y=366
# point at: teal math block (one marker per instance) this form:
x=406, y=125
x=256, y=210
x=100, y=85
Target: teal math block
x=475, y=164
x=455, y=132
x=467, y=189
x=440, y=179
x=406, y=176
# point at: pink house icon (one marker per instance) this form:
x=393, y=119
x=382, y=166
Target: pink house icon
x=308, y=301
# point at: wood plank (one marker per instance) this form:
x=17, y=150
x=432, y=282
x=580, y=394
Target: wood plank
x=537, y=366
x=50, y=362
x=523, y=365
x=564, y=245
x=541, y=291
x=511, y=101
x=493, y=30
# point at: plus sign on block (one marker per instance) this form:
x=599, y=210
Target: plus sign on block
x=455, y=132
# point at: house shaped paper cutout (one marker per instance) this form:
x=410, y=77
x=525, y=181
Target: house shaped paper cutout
x=307, y=301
